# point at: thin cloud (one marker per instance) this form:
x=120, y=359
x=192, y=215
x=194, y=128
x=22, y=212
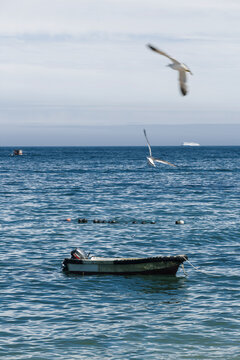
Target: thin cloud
x=73, y=55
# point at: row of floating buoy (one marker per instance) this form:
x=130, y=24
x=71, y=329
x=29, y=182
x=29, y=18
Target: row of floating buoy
x=96, y=221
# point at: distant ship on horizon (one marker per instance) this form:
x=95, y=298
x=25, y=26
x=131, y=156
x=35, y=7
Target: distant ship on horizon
x=190, y=144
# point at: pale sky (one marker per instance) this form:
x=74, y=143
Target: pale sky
x=78, y=72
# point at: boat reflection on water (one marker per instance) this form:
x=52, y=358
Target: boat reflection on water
x=155, y=284
x=167, y=285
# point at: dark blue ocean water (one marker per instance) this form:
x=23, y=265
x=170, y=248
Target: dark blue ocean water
x=47, y=314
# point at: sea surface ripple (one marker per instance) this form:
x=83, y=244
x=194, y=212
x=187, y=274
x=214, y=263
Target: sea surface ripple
x=46, y=313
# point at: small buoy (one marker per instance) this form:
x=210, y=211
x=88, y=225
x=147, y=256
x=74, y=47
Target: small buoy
x=68, y=219
x=179, y=222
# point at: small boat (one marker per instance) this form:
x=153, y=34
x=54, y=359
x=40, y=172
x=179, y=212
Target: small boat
x=190, y=144
x=81, y=263
x=17, y=152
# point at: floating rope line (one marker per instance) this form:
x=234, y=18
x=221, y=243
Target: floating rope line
x=197, y=269
x=113, y=221
x=184, y=269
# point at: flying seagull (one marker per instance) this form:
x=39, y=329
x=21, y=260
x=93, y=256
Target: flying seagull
x=176, y=65
x=150, y=158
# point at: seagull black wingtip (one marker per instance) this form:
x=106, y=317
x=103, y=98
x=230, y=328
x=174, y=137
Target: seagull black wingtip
x=151, y=47
x=184, y=92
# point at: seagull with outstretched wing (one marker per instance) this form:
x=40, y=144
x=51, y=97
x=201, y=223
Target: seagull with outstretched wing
x=176, y=65
x=150, y=158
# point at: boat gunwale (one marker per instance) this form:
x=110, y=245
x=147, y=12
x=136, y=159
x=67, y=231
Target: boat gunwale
x=126, y=261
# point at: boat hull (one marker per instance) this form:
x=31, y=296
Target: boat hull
x=167, y=265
